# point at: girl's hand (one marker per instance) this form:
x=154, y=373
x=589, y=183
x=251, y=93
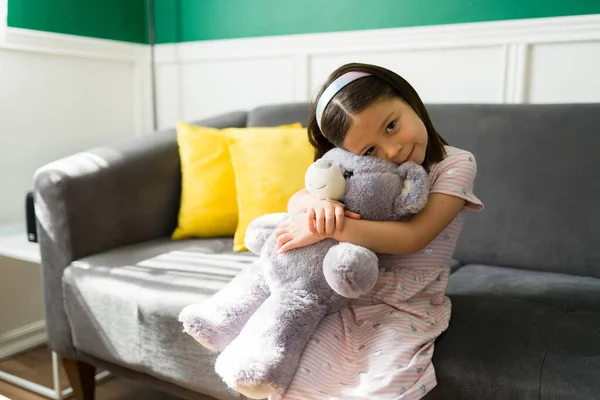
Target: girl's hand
x=326, y=218
x=295, y=233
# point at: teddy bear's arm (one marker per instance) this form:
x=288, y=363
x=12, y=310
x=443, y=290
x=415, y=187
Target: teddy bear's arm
x=260, y=229
x=215, y=322
x=351, y=270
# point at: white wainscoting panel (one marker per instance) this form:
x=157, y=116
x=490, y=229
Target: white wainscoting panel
x=168, y=94
x=452, y=75
x=564, y=72
x=214, y=87
x=488, y=62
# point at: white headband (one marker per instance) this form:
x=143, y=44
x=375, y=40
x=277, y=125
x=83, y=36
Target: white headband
x=332, y=90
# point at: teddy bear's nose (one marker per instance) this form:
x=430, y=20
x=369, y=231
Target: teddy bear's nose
x=348, y=174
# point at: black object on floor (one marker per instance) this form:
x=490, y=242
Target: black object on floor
x=30, y=218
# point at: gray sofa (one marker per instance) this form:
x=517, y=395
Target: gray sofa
x=526, y=289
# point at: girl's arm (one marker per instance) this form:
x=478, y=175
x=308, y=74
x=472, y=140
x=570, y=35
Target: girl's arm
x=390, y=237
x=451, y=192
x=299, y=202
x=393, y=237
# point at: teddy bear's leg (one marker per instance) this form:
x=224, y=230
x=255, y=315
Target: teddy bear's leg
x=264, y=357
x=217, y=321
x=260, y=229
x=351, y=270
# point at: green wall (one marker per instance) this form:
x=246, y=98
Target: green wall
x=123, y=20
x=190, y=20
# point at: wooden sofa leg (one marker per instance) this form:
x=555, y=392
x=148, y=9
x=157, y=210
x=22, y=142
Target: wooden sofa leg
x=82, y=378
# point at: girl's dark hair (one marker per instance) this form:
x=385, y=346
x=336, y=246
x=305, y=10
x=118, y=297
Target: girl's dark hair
x=358, y=95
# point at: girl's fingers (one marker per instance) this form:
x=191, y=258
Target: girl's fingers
x=339, y=219
x=351, y=214
x=320, y=221
x=292, y=244
x=283, y=239
x=310, y=213
x=280, y=230
x=329, y=221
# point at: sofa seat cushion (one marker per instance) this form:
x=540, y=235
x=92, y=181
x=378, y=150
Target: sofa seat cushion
x=518, y=334
x=123, y=307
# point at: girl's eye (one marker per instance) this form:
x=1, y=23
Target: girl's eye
x=370, y=150
x=390, y=127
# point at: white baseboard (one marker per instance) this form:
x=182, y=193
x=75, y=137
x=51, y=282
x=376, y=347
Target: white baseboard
x=22, y=339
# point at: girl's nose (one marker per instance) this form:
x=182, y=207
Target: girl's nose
x=392, y=150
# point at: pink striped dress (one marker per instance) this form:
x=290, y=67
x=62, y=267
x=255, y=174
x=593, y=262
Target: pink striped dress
x=381, y=345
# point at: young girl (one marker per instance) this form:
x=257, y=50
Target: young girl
x=381, y=346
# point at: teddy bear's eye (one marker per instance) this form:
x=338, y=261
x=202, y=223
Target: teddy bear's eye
x=348, y=174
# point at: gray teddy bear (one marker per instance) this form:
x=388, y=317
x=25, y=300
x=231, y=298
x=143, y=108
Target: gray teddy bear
x=263, y=318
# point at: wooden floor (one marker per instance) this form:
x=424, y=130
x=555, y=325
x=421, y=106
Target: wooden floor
x=36, y=365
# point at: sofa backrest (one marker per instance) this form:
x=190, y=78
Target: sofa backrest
x=536, y=177
x=537, y=167
x=281, y=114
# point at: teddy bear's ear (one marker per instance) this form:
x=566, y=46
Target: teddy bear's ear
x=414, y=191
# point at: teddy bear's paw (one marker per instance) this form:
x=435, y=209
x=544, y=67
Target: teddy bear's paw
x=248, y=370
x=254, y=392
x=202, y=329
x=415, y=189
x=351, y=270
x=205, y=343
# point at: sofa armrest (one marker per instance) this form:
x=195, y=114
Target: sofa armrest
x=101, y=199
x=454, y=265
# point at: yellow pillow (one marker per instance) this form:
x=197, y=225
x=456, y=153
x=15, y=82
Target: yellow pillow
x=269, y=167
x=208, y=205
x=208, y=202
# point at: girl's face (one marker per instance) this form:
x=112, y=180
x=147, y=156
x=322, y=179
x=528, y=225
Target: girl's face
x=388, y=129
